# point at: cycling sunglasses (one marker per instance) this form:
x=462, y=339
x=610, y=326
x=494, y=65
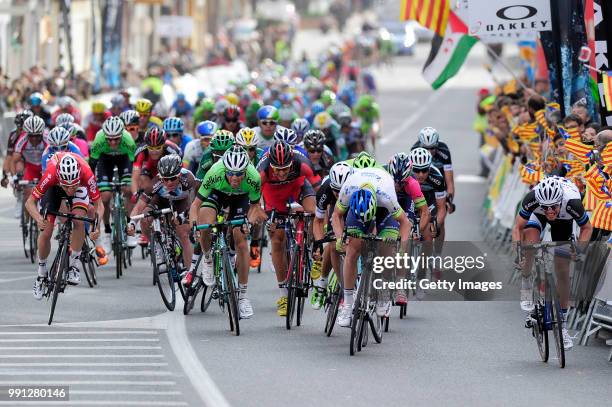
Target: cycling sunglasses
x=550, y=207
x=315, y=151
x=174, y=134
x=35, y=134
x=132, y=128
x=285, y=168
x=232, y=121
x=420, y=170
x=169, y=179
x=268, y=122
x=111, y=139
x=155, y=148
x=234, y=173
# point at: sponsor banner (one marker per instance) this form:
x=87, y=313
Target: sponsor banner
x=508, y=16
x=512, y=37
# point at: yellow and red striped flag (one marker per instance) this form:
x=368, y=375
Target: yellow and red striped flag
x=580, y=150
x=431, y=14
x=530, y=173
x=607, y=87
x=606, y=155
x=602, y=215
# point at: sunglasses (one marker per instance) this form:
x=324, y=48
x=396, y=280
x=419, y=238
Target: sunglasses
x=155, y=148
x=231, y=120
x=234, y=173
x=170, y=179
x=132, y=128
x=285, y=168
x=113, y=139
x=174, y=134
x=549, y=207
x=315, y=151
x=268, y=122
x=35, y=135
x=420, y=170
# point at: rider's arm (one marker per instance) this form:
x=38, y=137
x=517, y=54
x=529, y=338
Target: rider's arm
x=441, y=206
x=139, y=207
x=31, y=206
x=338, y=221
x=425, y=217
x=17, y=163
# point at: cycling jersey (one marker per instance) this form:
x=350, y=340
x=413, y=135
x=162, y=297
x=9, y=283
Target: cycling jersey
x=100, y=146
x=216, y=180
x=410, y=189
x=300, y=167
x=179, y=197
x=434, y=187
x=571, y=205
x=192, y=154
x=206, y=162
x=325, y=198
x=82, y=145
x=49, y=151
x=442, y=157
x=13, y=137
x=104, y=159
x=265, y=142
x=147, y=163
x=32, y=157
x=323, y=166
x=185, y=139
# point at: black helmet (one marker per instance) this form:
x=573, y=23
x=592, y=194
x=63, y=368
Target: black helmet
x=314, y=139
x=169, y=166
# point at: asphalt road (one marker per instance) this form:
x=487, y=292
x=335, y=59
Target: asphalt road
x=116, y=344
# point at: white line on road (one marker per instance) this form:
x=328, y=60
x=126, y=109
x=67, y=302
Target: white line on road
x=389, y=137
x=85, y=364
x=469, y=179
x=58, y=373
x=8, y=280
x=80, y=340
x=79, y=347
x=96, y=403
x=80, y=356
x=80, y=333
x=88, y=382
x=189, y=361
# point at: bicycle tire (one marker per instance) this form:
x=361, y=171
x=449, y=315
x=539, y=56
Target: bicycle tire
x=206, y=297
x=376, y=325
x=33, y=235
x=386, y=324
x=232, y=296
x=557, y=328
x=540, y=333
x=85, y=261
x=163, y=279
x=291, y=288
x=332, y=312
x=57, y=272
x=24, y=233
x=192, y=294
x=304, y=285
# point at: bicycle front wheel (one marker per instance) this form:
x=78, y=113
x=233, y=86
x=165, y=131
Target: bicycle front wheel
x=557, y=328
x=232, y=295
x=161, y=275
x=292, y=288
x=57, y=278
x=33, y=239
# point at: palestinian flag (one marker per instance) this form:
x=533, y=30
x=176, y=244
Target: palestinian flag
x=448, y=53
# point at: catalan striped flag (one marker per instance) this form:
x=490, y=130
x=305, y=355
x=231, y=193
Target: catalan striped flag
x=606, y=155
x=530, y=173
x=431, y=14
x=607, y=88
x=602, y=215
x=590, y=200
x=580, y=150
x=572, y=132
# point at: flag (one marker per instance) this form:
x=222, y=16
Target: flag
x=602, y=215
x=530, y=173
x=580, y=150
x=606, y=155
x=431, y=14
x=448, y=52
x=607, y=88
x=572, y=132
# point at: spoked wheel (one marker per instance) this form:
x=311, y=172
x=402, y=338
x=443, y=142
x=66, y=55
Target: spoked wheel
x=24, y=235
x=303, y=289
x=33, y=235
x=332, y=312
x=162, y=276
x=118, y=257
x=292, y=289
x=539, y=331
x=232, y=295
x=57, y=275
x=376, y=325
x=357, y=325
x=207, y=297
x=89, y=269
x=557, y=328
x=191, y=294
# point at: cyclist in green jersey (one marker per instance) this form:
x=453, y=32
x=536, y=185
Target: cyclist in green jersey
x=222, y=141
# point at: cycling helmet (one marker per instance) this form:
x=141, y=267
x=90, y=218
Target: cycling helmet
x=549, y=191
x=428, y=137
x=247, y=137
x=206, y=128
x=36, y=99
x=169, y=166
x=208, y=105
x=143, y=106
x=286, y=135
x=287, y=114
x=77, y=131
x=364, y=160
x=222, y=140
x=327, y=97
x=281, y=154
x=232, y=98
x=338, y=174
x=323, y=120
x=235, y=159
x=58, y=137
x=113, y=127
x=155, y=137
x=221, y=105
x=314, y=139
x=20, y=118
x=180, y=96
x=363, y=205
x=63, y=102
x=231, y=113
x=117, y=100
x=64, y=118
x=173, y=125
x=98, y=107
x=160, y=110
x=400, y=167
x=34, y=125
x=68, y=170
x=300, y=126
x=267, y=112
x=345, y=119
x=130, y=117
x=338, y=108
x=420, y=158
x=316, y=108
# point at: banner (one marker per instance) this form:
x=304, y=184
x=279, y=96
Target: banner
x=602, y=18
x=508, y=16
x=112, y=16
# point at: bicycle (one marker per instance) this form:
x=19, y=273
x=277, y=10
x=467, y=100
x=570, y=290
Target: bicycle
x=333, y=293
x=296, y=226
x=364, y=307
x=546, y=315
x=29, y=229
x=57, y=281
x=89, y=260
x=121, y=251
x=164, y=243
x=225, y=289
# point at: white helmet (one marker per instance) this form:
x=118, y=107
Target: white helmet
x=338, y=174
x=68, y=170
x=286, y=135
x=58, y=137
x=64, y=118
x=428, y=136
x=420, y=157
x=549, y=191
x=113, y=126
x=34, y=125
x=235, y=159
x=247, y=137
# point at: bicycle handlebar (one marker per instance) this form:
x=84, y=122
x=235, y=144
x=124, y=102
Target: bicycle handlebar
x=27, y=182
x=235, y=222
x=153, y=213
x=69, y=216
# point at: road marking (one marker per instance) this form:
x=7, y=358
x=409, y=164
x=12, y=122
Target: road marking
x=16, y=372
x=189, y=361
x=79, y=347
x=86, y=364
x=79, y=356
x=89, y=382
x=8, y=280
x=80, y=340
x=96, y=403
x=80, y=333
x=469, y=179
x=406, y=124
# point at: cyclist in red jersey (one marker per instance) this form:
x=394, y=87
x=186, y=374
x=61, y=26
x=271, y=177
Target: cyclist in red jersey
x=27, y=158
x=67, y=177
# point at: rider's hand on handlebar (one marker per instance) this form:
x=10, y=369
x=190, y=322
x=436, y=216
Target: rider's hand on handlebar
x=42, y=223
x=131, y=229
x=340, y=245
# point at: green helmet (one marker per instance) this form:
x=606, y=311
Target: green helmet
x=251, y=113
x=364, y=160
x=222, y=141
x=208, y=104
x=327, y=97
x=364, y=102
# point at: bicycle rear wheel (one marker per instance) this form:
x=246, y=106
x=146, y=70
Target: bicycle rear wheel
x=292, y=288
x=33, y=235
x=60, y=263
x=232, y=295
x=161, y=275
x=192, y=294
x=303, y=287
x=24, y=233
x=557, y=328
x=332, y=311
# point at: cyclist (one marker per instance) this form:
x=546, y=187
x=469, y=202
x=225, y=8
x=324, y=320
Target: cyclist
x=58, y=139
x=230, y=119
x=64, y=119
x=66, y=106
x=144, y=107
x=231, y=183
x=94, y=120
x=131, y=120
x=317, y=152
x=368, y=198
x=555, y=201
x=181, y=107
x=286, y=116
x=368, y=113
x=112, y=148
x=195, y=148
x=285, y=177
x=172, y=186
x=67, y=177
x=205, y=111
x=222, y=141
x=355, y=141
x=27, y=157
x=78, y=137
x=174, y=126
x=289, y=137
x=14, y=136
x=267, y=120
x=118, y=105
x=248, y=139
x=300, y=127
x=324, y=258
x=333, y=139
x=38, y=106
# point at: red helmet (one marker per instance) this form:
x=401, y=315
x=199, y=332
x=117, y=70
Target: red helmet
x=155, y=137
x=281, y=154
x=231, y=113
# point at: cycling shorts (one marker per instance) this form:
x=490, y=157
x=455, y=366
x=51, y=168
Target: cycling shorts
x=385, y=225
x=276, y=196
x=52, y=200
x=106, y=167
x=238, y=204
